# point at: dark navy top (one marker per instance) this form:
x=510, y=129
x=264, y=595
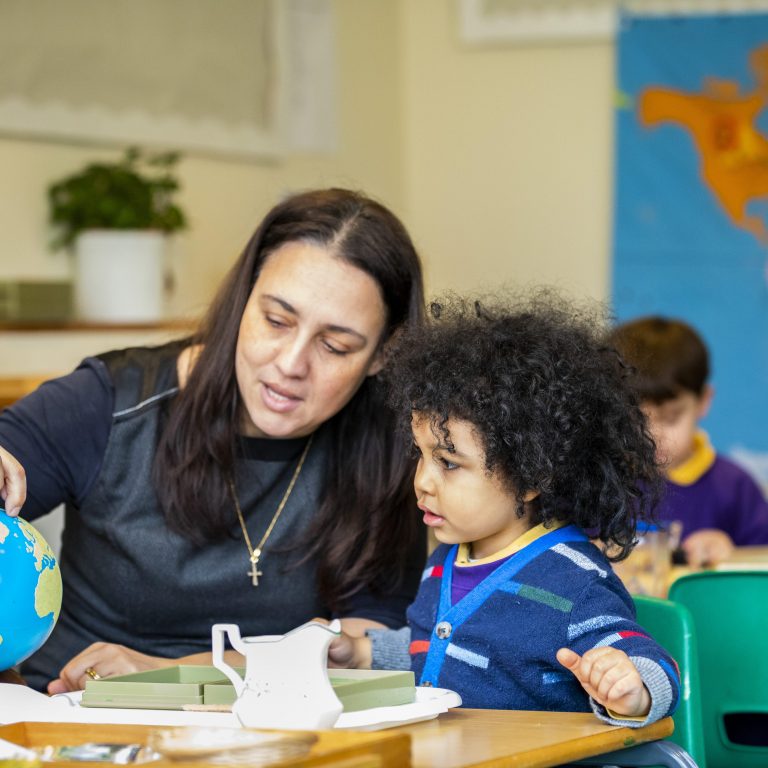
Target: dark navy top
x=87, y=439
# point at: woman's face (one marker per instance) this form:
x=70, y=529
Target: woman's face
x=309, y=336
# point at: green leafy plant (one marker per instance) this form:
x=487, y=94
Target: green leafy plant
x=135, y=193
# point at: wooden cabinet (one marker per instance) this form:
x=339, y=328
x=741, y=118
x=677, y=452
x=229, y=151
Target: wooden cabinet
x=13, y=388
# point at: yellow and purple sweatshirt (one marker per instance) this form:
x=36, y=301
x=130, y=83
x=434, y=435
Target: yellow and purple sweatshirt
x=709, y=491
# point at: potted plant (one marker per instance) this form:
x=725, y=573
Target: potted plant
x=115, y=217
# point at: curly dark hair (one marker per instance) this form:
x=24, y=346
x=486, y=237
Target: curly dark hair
x=549, y=402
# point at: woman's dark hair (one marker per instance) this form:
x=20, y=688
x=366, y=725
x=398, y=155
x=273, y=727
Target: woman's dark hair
x=366, y=522
x=548, y=401
x=667, y=355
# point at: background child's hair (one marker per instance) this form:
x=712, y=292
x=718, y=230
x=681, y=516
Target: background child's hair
x=549, y=403
x=667, y=355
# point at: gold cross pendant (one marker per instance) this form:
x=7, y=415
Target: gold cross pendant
x=254, y=573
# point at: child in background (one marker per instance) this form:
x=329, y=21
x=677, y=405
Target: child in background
x=526, y=435
x=717, y=502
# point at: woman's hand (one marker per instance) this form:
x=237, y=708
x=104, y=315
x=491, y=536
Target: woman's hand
x=610, y=678
x=707, y=547
x=104, y=660
x=341, y=652
x=350, y=652
x=351, y=649
x=13, y=483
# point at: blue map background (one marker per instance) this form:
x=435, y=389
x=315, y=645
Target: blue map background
x=676, y=252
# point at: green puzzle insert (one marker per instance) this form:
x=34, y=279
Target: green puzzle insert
x=178, y=686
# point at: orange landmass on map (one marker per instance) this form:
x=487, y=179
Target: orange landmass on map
x=721, y=120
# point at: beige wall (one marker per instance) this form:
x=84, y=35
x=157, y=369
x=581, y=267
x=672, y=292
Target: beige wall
x=224, y=198
x=507, y=157
x=497, y=158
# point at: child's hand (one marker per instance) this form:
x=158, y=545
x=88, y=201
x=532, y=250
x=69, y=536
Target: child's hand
x=610, y=678
x=708, y=546
x=347, y=651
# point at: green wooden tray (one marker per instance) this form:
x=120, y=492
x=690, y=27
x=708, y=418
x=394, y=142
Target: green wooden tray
x=175, y=687
x=167, y=688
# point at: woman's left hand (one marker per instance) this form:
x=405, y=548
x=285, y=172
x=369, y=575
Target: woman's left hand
x=610, y=678
x=103, y=660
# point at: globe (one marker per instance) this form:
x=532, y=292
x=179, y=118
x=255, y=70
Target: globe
x=30, y=590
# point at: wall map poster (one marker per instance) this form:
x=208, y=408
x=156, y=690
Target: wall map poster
x=691, y=210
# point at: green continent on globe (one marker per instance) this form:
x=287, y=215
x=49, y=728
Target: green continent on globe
x=48, y=589
x=48, y=594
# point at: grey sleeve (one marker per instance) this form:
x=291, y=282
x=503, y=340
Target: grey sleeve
x=657, y=683
x=389, y=648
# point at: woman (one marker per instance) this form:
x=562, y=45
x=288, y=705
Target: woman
x=249, y=474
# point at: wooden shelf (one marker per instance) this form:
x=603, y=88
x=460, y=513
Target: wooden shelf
x=80, y=326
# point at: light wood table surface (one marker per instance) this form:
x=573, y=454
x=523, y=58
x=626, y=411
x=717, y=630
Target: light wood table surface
x=743, y=558
x=340, y=749
x=484, y=738
x=461, y=738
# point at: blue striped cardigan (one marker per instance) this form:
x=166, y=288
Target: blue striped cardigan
x=502, y=655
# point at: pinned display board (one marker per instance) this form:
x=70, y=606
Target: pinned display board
x=691, y=202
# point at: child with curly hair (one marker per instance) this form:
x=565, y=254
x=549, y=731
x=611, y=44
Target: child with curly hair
x=526, y=436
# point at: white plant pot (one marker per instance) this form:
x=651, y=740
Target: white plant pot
x=119, y=275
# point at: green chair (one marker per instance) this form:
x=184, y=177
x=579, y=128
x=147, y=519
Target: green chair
x=672, y=627
x=730, y=613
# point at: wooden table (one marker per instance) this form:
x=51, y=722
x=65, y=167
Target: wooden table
x=462, y=738
x=741, y=559
x=379, y=749
x=483, y=738
x=744, y=558
x=646, y=581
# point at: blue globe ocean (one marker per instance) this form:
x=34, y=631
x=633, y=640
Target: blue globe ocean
x=30, y=590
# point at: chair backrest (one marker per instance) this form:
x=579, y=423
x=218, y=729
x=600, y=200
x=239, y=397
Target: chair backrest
x=730, y=613
x=671, y=626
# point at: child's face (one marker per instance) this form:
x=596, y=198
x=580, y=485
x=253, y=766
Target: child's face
x=461, y=502
x=673, y=425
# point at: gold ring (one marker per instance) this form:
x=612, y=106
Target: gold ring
x=92, y=673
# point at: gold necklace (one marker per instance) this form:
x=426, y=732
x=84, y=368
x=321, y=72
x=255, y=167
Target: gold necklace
x=255, y=553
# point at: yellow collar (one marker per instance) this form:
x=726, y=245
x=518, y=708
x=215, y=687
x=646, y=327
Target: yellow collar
x=462, y=556
x=702, y=458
